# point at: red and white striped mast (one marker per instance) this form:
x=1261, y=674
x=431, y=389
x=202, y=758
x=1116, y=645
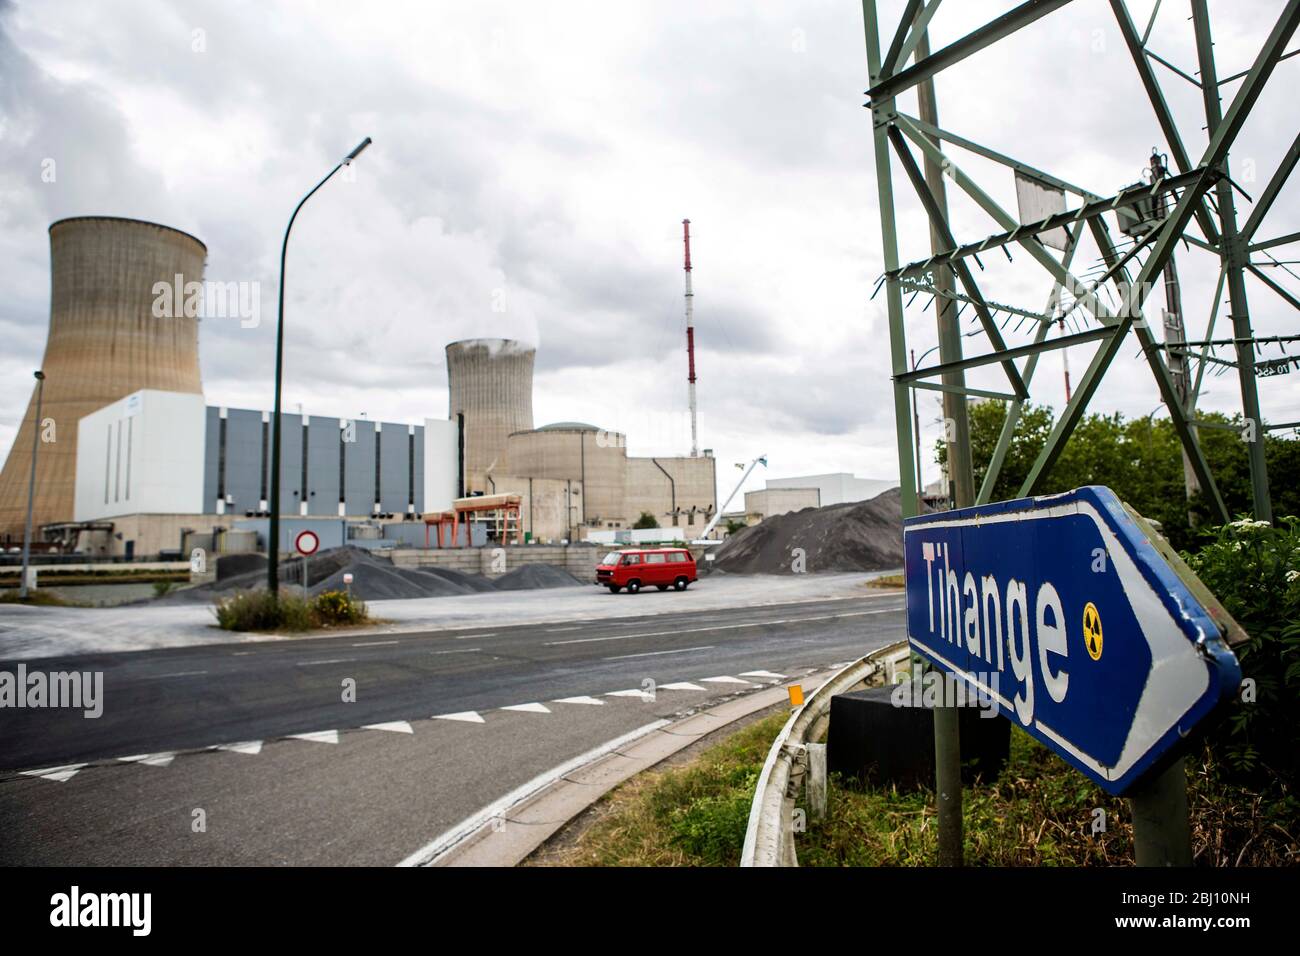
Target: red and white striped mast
x=690, y=339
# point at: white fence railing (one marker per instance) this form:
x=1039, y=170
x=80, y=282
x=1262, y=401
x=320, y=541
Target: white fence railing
x=769, y=839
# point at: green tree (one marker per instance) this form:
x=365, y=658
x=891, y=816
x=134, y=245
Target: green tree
x=1140, y=459
x=647, y=520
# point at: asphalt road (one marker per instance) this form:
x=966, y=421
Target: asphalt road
x=353, y=795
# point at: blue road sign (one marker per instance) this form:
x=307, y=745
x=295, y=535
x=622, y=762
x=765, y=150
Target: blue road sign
x=1062, y=611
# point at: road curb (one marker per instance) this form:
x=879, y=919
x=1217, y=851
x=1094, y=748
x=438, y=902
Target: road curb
x=506, y=836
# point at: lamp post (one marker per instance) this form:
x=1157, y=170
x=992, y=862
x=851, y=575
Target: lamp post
x=273, y=536
x=31, y=485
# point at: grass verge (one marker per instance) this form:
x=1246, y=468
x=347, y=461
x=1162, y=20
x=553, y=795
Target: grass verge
x=35, y=597
x=1039, y=813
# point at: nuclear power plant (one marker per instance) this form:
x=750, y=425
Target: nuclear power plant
x=104, y=343
x=134, y=462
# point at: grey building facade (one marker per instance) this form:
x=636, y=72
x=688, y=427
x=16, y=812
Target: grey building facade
x=328, y=466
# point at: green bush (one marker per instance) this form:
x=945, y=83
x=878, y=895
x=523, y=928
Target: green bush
x=1254, y=569
x=338, y=607
x=161, y=588
x=263, y=611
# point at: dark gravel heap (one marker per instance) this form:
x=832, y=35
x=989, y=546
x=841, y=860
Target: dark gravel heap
x=853, y=536
x=528, y=576
x=373, y=578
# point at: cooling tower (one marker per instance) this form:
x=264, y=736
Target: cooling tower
x=104, y=343
x=491, y=384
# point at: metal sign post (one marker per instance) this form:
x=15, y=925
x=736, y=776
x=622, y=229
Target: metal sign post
x=1068, y=615
x=306, y=544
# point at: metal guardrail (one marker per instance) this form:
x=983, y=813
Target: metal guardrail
x=769, y=838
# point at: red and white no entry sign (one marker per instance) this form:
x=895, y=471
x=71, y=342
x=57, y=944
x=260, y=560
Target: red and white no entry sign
x=306, y=543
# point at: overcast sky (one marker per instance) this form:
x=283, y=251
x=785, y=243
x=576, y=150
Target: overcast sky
x=531, y=166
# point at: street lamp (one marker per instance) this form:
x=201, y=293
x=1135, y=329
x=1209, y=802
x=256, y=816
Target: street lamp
x=273, y=537
x=31, y=485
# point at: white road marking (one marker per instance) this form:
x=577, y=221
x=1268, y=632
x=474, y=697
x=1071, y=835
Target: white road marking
x=768, y=674
x=318, y=736
x=681, y=685
x=627, y=693
x=579, y=700
x=726, y=680
x=468, y=716
x=684, y=650
x=498, y=808
x=175, y=674
x=720, y=627
x=57, y=774
x=470, y=637
x=459, y=650
x=529, y=708
x=335, y=660
x=153, y=760
x=377, y=644
x=396, y=726
x=246, y=747
x=556, y=630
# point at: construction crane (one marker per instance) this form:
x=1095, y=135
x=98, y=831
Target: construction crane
x=703, y=538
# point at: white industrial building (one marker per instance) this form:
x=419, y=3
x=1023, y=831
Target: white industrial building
x=836, y=488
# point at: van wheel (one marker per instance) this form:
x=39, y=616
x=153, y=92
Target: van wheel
x=633, y=587
x=613, y=588
x=680, y=584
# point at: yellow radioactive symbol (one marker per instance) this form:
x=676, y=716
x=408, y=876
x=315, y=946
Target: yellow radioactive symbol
x=1092, y=631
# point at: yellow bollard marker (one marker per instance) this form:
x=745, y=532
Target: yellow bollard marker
x=796, y=695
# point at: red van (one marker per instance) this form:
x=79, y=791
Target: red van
x=635, y=568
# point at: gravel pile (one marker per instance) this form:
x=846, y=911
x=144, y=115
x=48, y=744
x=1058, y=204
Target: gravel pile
x=528, y=576
x=854, y=536
x=373, y=578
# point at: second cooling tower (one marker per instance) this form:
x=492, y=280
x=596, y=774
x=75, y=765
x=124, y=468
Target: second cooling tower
x=491, y=384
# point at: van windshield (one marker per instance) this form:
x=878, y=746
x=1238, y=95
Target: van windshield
x=610, y=559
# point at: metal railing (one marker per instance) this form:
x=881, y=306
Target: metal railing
x=769, y=838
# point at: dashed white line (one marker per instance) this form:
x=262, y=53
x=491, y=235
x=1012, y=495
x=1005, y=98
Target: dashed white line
x=377, y=644
x=684, y=650
x=57, y=774
x=466, y=716
x=393, y=726
x=334, y=660
x=533, y=708
x=717, y=627
x=174, y=674
x=245, y=747
x=319, y=736
x=153, y=760
x=459, y=650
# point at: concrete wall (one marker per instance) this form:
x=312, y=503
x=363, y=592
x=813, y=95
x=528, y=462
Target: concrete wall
x=779, y=501
x=145, y=534
x=141, y=454
x=578, y=560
